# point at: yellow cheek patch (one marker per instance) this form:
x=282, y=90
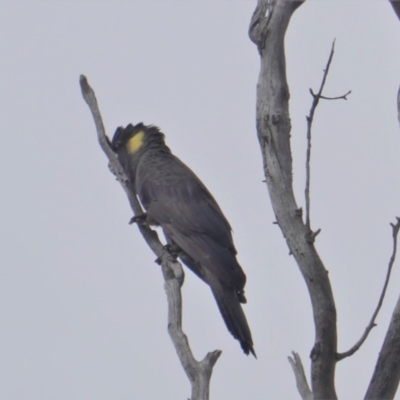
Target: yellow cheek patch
x=135, y=143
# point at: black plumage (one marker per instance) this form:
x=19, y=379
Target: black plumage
x=176, y=199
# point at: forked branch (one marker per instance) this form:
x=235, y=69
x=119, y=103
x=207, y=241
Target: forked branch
x=268, y=26
x=199, y=373
x=310, y=119
x=386, y=376
x=372, y=324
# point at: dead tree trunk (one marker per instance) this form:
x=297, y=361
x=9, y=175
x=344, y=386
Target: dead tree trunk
x=267, y=30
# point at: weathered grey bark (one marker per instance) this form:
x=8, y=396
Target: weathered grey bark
x=199, y=373
x=386, y=376
x=300, y=376
x=267, y=30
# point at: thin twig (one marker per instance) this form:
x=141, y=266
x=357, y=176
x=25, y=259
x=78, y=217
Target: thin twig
x=372, y=324
x=300, y=376
x=199, y=373
x=310, y=119
x=343, y=97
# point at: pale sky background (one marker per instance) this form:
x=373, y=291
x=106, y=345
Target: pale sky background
x=82, y=304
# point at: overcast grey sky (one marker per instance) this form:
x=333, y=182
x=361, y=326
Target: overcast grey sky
x=82, y=305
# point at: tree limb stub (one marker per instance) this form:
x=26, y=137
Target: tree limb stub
x=300, y=376
x=372, y=324
x=273, y=130
x=199, y=373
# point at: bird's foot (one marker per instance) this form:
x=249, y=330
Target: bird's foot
x=140, y=219
x=172, y=251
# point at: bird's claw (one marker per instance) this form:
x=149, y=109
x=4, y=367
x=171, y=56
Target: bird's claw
x=171, y=253
x=140, y=219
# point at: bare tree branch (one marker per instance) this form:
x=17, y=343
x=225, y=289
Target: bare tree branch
x=386, y=376
x=199, y=373
x=372, y=324
x=310, y=119
x=299, y=374
x=273, y=130
x=342, y=97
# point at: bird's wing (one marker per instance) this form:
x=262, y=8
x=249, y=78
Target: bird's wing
x=210, y=255
x=191, y=217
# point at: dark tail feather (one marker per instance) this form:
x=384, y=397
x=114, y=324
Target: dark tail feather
x=233, y=315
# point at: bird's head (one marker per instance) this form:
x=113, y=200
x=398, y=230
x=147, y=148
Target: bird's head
x=133, y=138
